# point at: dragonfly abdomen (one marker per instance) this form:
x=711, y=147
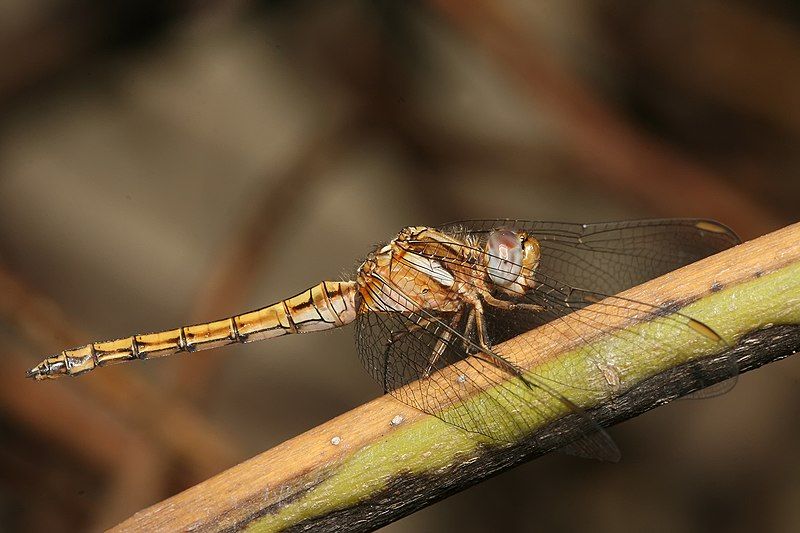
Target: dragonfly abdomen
x=327, y=305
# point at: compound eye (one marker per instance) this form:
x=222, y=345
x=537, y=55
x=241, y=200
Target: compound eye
x=505, y=257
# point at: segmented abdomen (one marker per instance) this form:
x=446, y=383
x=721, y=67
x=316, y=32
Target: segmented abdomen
x=327, y=305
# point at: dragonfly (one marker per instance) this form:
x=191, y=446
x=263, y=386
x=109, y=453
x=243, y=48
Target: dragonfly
x=439, y=313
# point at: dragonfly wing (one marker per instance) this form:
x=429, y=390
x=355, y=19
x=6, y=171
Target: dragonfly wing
x=471, y=393
x=582, y=265
x=609, y=257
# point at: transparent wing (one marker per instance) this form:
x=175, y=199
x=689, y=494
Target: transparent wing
x=583, y=265
x=609, y=257
x=398, y=349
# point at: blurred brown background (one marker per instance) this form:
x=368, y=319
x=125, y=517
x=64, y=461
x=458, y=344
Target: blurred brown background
x=163, y=163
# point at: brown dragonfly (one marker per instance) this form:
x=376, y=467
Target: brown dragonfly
x=433, y=307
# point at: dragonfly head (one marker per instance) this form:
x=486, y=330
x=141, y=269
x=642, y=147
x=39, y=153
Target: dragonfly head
x=513, y=256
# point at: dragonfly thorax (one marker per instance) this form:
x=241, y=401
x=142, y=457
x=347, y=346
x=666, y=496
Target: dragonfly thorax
x=414, y=271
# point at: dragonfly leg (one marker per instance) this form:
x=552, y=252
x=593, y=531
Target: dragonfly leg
x=413, y=328
x=483, y=342
x=468, y=328
x=442, y=343
x=438, y=350
x=510, y=306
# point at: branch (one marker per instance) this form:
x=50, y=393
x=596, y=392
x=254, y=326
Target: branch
x=384, y=460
